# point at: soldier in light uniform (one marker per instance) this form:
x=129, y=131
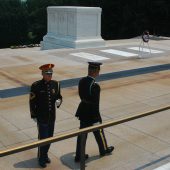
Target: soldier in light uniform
x=45, y=96
x=88, y=110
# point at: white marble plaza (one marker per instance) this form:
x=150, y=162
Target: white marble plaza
x=142, y=144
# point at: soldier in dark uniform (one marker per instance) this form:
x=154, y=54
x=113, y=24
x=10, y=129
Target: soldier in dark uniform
x=88, y=110
x=45, y=96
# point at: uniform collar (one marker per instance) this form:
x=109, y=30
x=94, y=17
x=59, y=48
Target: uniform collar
x=91, y=77
x=46, y=82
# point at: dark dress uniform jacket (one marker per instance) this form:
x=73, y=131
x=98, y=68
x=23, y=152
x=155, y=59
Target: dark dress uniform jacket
x=42, y=100
x=88, y=109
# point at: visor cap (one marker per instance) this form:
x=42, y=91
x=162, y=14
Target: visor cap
x=94, y=65
x=47, y=68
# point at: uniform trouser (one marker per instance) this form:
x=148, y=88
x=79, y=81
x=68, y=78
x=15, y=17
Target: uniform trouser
x=99, y=136
x=44, y=131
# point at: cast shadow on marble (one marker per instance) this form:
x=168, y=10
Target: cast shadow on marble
x=68, y=160
x=30, y=163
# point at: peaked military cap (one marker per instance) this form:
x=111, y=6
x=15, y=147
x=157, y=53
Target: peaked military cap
x=94, y=65
x=47, y=68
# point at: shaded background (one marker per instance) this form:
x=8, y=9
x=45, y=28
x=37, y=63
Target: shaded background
x=25, y=22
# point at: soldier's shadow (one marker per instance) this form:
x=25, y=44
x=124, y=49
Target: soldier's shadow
x=31, y=163
x=68, y=160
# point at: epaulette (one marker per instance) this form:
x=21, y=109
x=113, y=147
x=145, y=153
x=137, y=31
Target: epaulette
x=36, y=82
x=55, y=81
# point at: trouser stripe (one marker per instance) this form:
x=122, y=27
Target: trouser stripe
x=38, y=138
x=103, y=139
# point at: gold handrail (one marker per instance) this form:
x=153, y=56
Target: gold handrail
x=77, y=132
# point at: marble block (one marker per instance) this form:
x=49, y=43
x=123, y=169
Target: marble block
x=73, y=27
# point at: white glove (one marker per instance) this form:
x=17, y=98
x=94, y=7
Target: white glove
x=35, y=120
x=58, y=103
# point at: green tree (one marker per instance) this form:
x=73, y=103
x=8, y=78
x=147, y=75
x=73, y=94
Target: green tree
x=23, y=22
x=13, y=22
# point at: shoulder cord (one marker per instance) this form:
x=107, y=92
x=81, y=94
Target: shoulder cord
x=91, y=86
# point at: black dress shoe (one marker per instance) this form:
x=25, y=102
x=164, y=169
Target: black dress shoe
x=107, y=151
x=48, y=160
x=77, y=159
x=42, y=164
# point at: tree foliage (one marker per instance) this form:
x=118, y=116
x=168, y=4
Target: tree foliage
x=24, y=22
x=13, y=22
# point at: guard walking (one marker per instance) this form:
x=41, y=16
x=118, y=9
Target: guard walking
x=88, y=110
x=45, y=96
